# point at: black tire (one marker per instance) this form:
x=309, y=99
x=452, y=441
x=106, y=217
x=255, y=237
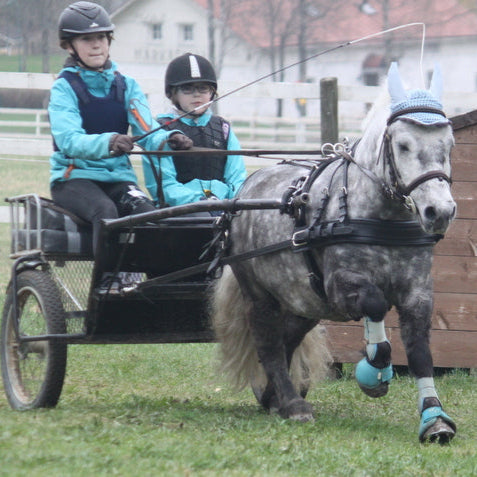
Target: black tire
x=33, y=372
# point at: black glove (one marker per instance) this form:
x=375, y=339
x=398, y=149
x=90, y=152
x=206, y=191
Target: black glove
x=120, y=144
x=179, y=142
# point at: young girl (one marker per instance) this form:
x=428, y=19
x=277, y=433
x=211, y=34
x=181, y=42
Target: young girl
x=191, y=83
x=91, y=108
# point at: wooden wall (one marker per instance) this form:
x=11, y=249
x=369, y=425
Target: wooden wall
x=454, y=320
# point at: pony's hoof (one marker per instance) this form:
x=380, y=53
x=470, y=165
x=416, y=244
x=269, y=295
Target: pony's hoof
x=436, y=426
x=297, y=410
x=374, y=382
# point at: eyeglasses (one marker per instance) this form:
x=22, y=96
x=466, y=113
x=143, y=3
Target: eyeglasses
x=191, y=88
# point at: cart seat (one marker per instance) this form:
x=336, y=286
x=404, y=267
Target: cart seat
x=39, y=224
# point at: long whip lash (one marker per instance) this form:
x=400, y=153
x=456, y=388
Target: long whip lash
x=316, y=55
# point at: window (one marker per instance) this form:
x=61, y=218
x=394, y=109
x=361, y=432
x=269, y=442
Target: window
x=156, y=31
x=373, y=68
x=186, y=32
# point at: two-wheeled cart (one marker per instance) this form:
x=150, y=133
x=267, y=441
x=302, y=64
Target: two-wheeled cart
x=55, y=298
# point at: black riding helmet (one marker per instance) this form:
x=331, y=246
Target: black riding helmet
x=81, y=18
x=189, y=68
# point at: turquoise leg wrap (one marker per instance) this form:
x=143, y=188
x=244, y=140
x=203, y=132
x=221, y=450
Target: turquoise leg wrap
x=429, y=417
x=370, y=377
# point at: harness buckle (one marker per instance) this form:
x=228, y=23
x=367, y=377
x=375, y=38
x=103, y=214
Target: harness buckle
x=409, y=203
x=300, y=238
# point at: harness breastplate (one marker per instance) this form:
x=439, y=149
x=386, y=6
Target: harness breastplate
x=214, y=135
x=100, y=114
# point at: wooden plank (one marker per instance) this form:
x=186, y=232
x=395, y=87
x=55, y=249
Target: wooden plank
x=460, y=239
x=465, y=195
x=464, y=162
x=452, y=311
x=455, y=274
x=450, y=349
x=464, y=121
x=455, y=311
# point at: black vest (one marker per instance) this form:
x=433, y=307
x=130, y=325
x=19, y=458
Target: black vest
x=100, y=114
x=215, y=136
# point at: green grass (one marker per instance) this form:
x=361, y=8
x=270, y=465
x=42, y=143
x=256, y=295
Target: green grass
x=28, y=175
x=161, y=410
x=33, y=63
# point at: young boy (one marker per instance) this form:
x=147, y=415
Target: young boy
x=91, y=108
x=190, y=84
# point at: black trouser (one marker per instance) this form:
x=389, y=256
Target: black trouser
x=93, y=200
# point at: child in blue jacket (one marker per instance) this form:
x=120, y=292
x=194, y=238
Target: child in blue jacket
x=190, y=84
x=92, y=106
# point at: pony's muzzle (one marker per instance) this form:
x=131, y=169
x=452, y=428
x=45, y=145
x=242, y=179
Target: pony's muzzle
x=438, y=220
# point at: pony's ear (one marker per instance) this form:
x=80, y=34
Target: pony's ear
x=395, y=86
x=436, y=82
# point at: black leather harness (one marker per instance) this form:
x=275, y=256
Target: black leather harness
x=318, y=234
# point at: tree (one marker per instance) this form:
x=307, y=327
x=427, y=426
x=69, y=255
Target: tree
x=284, y=24
x=35, y=22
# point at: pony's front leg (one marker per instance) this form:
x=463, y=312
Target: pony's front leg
x=374, y=371
x=435, y=425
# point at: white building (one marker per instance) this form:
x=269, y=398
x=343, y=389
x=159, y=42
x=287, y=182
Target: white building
x=149, y=33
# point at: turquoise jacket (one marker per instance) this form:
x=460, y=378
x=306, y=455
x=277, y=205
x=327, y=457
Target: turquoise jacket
x=89, y=153
x=177, y=193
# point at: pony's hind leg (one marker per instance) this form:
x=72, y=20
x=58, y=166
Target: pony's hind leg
x=311, y=353
x=269, y=328
x=374, y=371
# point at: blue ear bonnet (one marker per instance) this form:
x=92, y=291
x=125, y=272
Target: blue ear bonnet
x=414, y=100
x=420, y=99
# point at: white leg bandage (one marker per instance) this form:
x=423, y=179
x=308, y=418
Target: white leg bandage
x=374, y=333
x=426, y=389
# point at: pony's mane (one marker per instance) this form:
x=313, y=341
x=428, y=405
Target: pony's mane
x=374, y=123
x=378, y=110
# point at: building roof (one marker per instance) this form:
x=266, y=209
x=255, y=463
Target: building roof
x=345, y=21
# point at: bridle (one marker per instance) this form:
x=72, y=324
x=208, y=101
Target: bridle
x=397, y=189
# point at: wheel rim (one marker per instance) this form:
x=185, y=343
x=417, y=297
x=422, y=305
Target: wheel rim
x=27, y=362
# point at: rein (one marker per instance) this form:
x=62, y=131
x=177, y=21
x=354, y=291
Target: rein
x=319, y=234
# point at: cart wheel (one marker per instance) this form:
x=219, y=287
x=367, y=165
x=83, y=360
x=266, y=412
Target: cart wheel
x=33, y=372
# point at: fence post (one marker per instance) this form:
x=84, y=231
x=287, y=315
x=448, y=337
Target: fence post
x=329, y=110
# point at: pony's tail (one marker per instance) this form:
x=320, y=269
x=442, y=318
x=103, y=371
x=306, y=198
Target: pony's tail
x=230, y=310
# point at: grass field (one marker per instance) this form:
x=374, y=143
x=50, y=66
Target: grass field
x=33, y=63
x=161, y=410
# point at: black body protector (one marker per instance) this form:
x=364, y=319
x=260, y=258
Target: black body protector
x=100, y=114
x=213, y=136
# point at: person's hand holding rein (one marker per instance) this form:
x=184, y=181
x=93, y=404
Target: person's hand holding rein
x=120, y=144
x=180, y=142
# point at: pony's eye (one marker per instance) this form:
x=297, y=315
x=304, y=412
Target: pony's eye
x=403, y=147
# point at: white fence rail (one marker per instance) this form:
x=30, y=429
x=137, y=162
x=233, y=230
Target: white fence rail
x=25, y=132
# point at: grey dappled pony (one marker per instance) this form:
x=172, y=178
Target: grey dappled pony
x=359, y=228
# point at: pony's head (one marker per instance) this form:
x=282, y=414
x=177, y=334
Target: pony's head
x=416, y=152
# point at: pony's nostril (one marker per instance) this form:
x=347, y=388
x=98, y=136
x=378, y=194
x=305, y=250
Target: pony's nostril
x=430, y=213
